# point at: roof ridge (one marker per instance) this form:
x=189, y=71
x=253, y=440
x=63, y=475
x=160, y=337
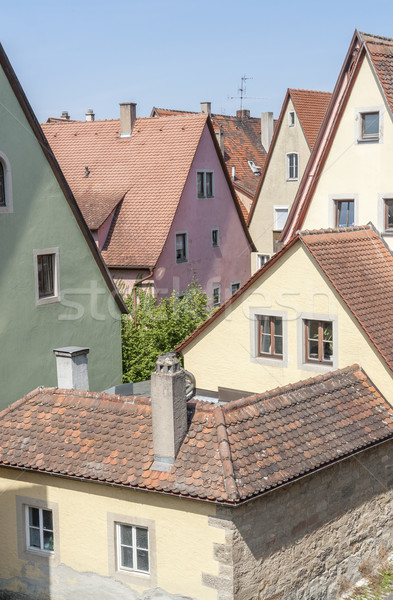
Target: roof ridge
x=304, y=232
x=309, y=91
x=379, y=37
x=96, y=395
x=224, y=449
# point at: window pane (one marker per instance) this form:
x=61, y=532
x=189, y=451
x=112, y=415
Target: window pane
x=371, y=124
x=142, y=558
x=47, y=519
x=265, y=325
x=313, y=327
x=142, y=538
x=209, y=185
x=266, y=344
x=345, y=213
x=34, y=516
x=327, y=351
x=34, y=538
x=48, y=540
x=201, y=190
x=2, y=186
x=45, y=275
x=277, y=325
x=126, y=557
x=126, y=535
x=277, y=344
x=313, y=350
x=280, y=218
x=389, y=214
x=327, y=331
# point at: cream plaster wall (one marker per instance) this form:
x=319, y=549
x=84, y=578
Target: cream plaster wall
x=360, y=170
x=276, y=189
x=184, y=540
x=221, y=355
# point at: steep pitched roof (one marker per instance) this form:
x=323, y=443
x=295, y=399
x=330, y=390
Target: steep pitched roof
x=231, y=453
x=37, y=131
x=360, y=268
x=242, y=142
x=311, y=108
x=380, y=50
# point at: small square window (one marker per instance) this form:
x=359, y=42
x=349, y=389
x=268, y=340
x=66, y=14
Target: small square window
x=205, y=184
x=291, y=118
x=215, y=238
x=234, y=287
x=39, y=529
x=345, y=213
x=262, y=259
x=370, y=126
x=270, y=336
x=217, y=295
x=280, y=217
x=318, y=337
x=46, y=270
x=292, y=166
x=181, y=248
x=132, y=548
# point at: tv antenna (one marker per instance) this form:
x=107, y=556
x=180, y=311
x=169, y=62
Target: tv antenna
x=242, y=92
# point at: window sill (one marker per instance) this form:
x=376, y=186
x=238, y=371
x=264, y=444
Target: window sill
x=181, y=262
x=48, y=300
x=292, y=178
x=387, y=233
x=270, y=360
x=318, y=367
x=371, y=140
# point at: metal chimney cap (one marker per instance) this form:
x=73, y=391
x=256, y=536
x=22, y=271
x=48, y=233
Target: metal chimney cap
x=71, y=351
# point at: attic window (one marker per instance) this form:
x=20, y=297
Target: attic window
x=205, y=184
x=370, y=125
x=291, y=119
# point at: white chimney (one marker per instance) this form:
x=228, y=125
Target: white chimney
x=206, y=108
x=220, y=139
x=71, y=363
x=266, y=129
x=169, y=410
x=127, y=118
x=90, y=116
x=233, y=173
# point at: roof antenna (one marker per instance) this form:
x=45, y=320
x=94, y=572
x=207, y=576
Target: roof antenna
x=242, y=92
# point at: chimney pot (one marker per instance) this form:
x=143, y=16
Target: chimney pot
x=243, y=114
x=266, y=129
x=65, y=115
x=169, y=410
x=71, y=362
x=206, y=108
x=127, y=118
x=90, y=116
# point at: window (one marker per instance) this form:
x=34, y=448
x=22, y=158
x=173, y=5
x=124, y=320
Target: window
x=234, y=287
x=6, y=202
x=345, y=213
x=388, y=209
x=2, y=185
x=39, y=529
x=132, y=548
x=270, y=336
x=262, y=259
x=292, y=166
x=181, y=248
x=215, y=238
x=205, y=184
x=318, y=336
x=217, y=295
x=370, y=126
x=291, y=119
x=46, y=270
x=280, y=217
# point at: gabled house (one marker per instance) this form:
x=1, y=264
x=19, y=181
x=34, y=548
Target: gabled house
x=158, y=199
x=245, y=500
x=294, y=137
x=348, y=179
x=244, y=143
x=46, y=302
x=320, y=303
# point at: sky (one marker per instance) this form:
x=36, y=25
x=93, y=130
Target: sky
x=75, y=55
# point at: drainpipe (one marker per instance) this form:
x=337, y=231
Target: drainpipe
x=134, y=292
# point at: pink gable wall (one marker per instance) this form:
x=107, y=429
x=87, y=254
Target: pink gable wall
x=228, y=263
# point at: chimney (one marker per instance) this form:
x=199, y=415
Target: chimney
x=233, y=173
x=243, y=114
x=127, y=118
x=65, y=115
x=90, y=116
x=266, y=129
x=71, y=363
x=206, y=108
x=220, y=139
x=169, y=410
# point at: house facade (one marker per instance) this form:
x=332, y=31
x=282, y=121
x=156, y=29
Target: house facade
x=349, y=176
x=46, y=302
x=295, y=134
x=159, y=201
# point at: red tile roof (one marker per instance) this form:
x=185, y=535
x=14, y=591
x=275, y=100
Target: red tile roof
x=310, y=108
x=230, y=453
x=242, y=142
x=380, y=50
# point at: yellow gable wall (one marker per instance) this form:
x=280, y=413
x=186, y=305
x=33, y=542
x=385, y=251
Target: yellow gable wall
x=184, y=540
x=276, y=190
x=359, y=170
x=221, y=356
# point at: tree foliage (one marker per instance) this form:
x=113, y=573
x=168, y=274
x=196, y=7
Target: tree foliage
x=155, y=327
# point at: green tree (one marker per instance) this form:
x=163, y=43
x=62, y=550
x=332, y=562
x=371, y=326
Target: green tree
x=154, y=327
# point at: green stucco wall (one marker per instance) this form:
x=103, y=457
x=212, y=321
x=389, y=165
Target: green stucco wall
x=42, y=219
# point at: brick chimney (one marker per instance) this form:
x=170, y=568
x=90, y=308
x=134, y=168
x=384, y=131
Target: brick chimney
x=71, y=362
x=243, y=114
x=220, y=139
x=266, y=129
x=127, y=118
x=65, y=116
x=169, y=410
x=206, y=108
x=90, y=116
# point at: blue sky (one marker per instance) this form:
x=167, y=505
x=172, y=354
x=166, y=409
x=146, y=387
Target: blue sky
x=74, y=55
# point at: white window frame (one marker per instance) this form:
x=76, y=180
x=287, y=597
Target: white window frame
x=358, y=124
x=381, y=214
x=216, y=287
x=301, y=343
x=218, y=237
x=276, y=209
x=203, y=172
x=288, y=168
x=9, y=203
x=291, y=118
x=255, y=313
x=30, y=553
x=56, y=276
x=238, y=283
x=181, y=262
x=262, y=259
x=134, y=548
x=332, y=201
x=41, y=529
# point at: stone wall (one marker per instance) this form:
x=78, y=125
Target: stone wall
x=313, y=538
